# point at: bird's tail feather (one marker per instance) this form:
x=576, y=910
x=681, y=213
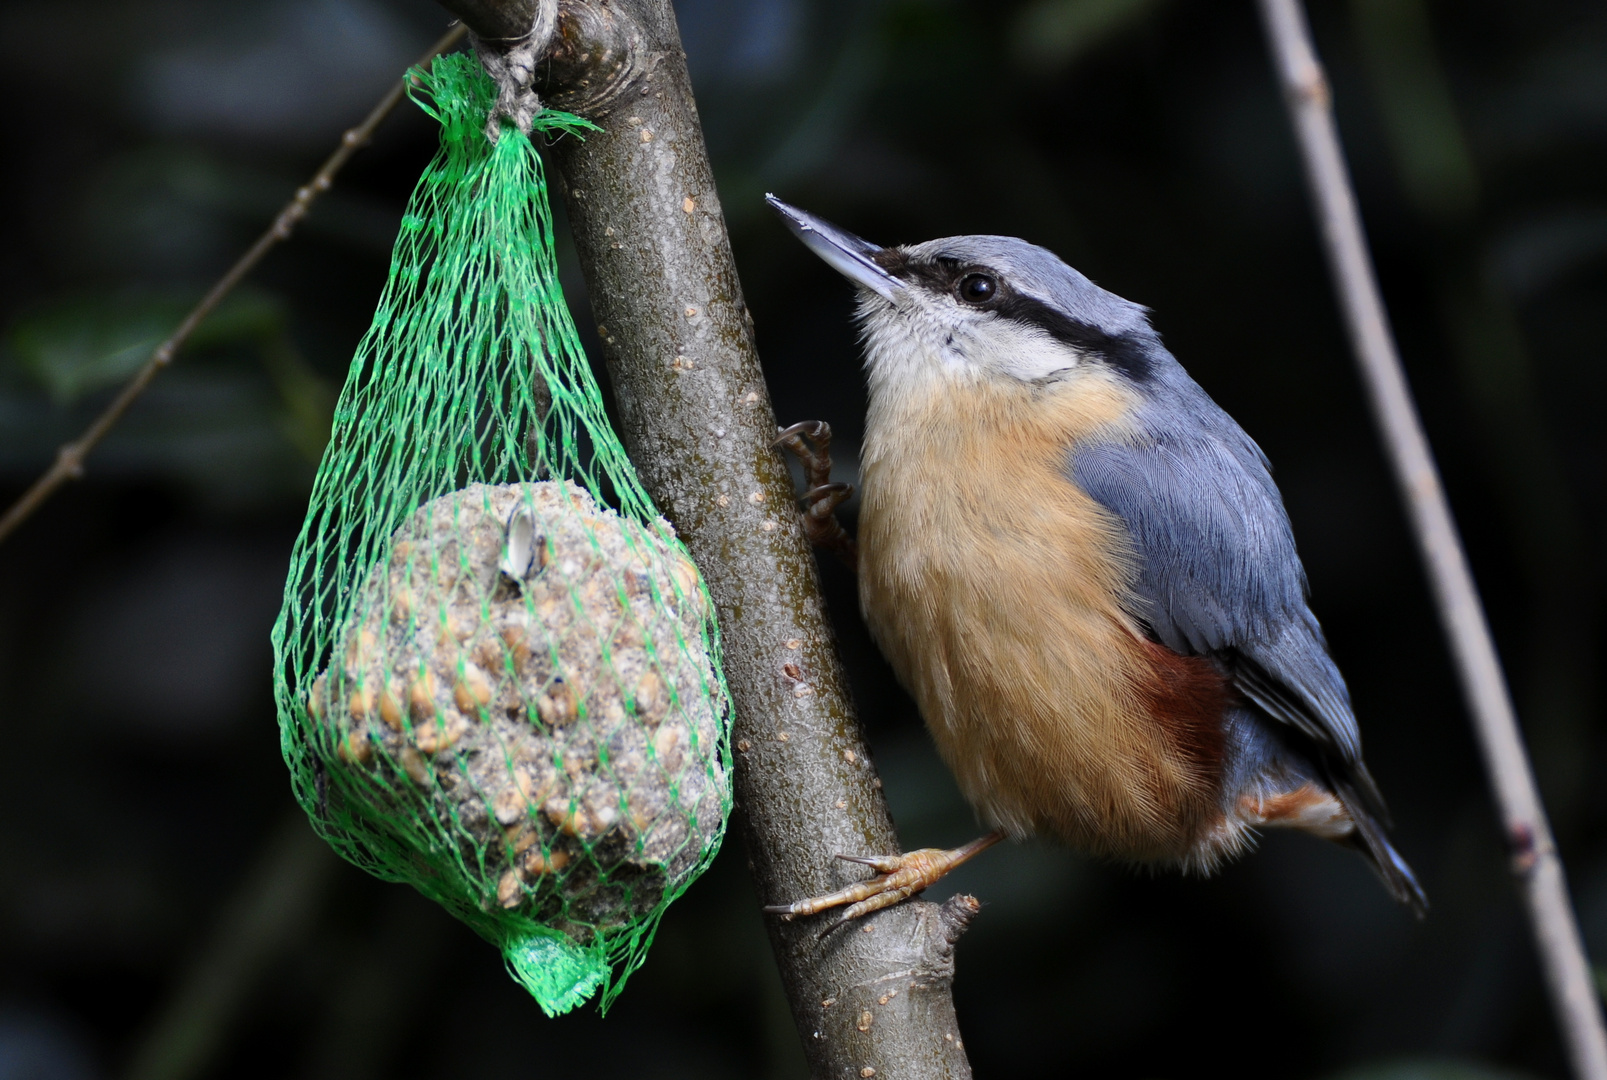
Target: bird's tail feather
x=1370, y=840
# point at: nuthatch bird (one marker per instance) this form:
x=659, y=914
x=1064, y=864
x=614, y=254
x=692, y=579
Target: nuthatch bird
x=1081, y=569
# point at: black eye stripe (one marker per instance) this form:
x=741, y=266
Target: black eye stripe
x=1124, y=352
x=940, y=275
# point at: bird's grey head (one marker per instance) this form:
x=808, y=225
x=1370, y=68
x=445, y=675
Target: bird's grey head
x=981, y=308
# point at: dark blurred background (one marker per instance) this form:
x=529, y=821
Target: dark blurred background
x=164, y=912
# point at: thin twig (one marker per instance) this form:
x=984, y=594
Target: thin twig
x=1534, y=854
x=69, y=464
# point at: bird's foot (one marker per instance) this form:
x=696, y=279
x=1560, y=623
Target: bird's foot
x=810, y=443
x=898, y=877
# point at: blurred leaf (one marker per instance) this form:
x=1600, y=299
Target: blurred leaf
x=1428, y=1069
x=177, y=212
x=1414, y=96
x=308, y=397
x=1049, y=35
x=821, y=127
x=216, y=430
x=81, y=345
x=744, y=42
x=246, y=316
x=1555, y=101
x=286, y=72
x=1531, y=257
x=221, y=428
x=89, y=342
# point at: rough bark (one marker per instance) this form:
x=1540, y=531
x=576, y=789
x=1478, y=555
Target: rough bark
x=872, y=999
x=496, y=20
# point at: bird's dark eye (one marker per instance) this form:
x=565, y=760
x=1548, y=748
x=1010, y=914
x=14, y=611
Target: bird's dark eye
x=977, y=288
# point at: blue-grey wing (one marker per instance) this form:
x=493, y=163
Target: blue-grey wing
x=1217, y=570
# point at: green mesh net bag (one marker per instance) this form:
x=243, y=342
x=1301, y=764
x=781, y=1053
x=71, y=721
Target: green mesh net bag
x=497, y=672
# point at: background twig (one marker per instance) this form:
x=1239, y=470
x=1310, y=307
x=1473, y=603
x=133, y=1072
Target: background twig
x=69, y=464
x=1534, y=855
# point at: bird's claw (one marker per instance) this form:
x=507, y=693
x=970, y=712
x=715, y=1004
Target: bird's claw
x=882, y=864
x=898, y=877
x=813, y=430
x=810, y=442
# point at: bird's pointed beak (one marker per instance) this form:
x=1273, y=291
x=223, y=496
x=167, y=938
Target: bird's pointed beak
x=843, y=251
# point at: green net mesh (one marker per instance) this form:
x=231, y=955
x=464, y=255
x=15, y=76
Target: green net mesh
x=497, y=672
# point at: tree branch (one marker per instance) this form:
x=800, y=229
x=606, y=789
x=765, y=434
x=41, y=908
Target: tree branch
x=1534, y=852
x=872, y=999
x=497, y=20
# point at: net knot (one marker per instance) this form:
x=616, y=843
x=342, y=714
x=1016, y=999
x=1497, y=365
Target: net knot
x=511, y=63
